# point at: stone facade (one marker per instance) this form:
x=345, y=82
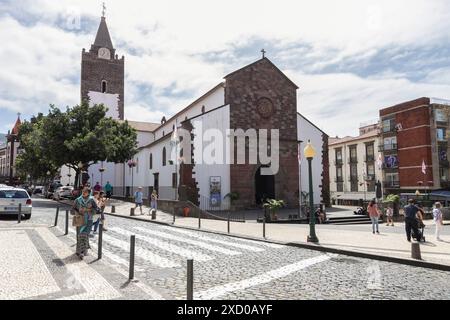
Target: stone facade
x=262, y=97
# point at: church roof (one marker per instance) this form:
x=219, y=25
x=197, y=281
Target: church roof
x=15, y=129
x=103, y=39
x=143, y=126
x=265, y=59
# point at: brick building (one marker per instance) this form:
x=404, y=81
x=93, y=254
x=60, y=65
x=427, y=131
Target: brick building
x=414, y=141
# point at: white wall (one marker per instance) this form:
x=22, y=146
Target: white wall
x=306, y=131
x=111, y=101
x=220, y=120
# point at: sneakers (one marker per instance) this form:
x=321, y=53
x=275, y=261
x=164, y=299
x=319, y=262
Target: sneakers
x=373, y=232
x=378, y=232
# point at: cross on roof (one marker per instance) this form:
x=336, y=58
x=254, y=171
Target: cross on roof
x=263, y=52
x=104, y=10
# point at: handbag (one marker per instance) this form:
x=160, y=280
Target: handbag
x=78, y=220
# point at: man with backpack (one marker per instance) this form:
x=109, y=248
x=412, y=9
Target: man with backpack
x=412, y=212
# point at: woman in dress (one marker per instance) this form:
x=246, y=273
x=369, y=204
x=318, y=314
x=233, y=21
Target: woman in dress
x=84, y=205
x=389, y=216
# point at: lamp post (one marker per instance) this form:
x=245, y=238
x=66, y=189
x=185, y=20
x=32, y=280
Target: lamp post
x=131, y=163
x=101, y=169
x=309, y=154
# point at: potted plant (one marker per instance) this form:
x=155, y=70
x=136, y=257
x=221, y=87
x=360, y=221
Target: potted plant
x=234, y=196
x=273, y=205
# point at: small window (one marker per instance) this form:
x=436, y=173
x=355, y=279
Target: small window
x=174, y=180
x=104, y=86
x=164, y=156
x=151, y=161
x=203, y=109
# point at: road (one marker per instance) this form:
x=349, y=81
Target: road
x=224, y=267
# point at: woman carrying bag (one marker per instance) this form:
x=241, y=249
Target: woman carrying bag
x=84, y=207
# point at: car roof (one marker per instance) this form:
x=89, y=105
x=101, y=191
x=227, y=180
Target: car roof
x=11, y=188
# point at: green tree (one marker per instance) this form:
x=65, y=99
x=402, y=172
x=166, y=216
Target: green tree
x=80, y=135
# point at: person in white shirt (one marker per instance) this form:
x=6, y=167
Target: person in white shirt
x=437, y=217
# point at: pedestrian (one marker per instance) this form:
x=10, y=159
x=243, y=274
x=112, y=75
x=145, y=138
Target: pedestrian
x=139, y=198
x=97, y=187
x=389, y=215
x=154, y=201
x=95, y=215
x=84, y=205
x=100, y=201
x=437, y=218
x=374, y=214
x=412, y=214
x=108, y=190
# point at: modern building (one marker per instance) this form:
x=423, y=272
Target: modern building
x=415, y=146
x=258, y=96
x=354, y=166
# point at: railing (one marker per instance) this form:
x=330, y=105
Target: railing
x=353, y=179
x=391, y=184
x=338, y=162
x=340, y=179
x=352, y=161
x=218, y=210
x=387, y=147
x=370, y=158
x=370, y=177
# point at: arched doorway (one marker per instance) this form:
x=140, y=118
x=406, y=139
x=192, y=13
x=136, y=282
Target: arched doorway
x=264, y=186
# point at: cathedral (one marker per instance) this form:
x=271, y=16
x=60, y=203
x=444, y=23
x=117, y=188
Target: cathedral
x=259, y=97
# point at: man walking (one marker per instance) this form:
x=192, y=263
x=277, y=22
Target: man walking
x=108, y=190
x=97, y=187
x=411, y=223
x=139, y=198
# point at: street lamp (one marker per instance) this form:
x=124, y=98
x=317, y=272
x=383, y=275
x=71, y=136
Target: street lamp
x=309, y=154
x=132, y=164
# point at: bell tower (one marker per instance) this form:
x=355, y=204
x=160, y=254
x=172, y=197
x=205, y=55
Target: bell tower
x=102, y=74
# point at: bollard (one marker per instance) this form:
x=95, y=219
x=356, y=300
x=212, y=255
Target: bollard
x=113, y=209
x=264, y=227
x=190, y=279
x=415, y=250
x=78, y=232
x=244, y=216
x=154, y=214
x=100, y=240
x=228, y=223
x=132, y=211
x=67, y=223
x=173, y=222
x=19, y=215
x=132, y=247
x=56, y=217
x=199, y=220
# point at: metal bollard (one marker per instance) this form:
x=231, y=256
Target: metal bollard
x=199, y=220
x=78, y=232
x=132, y=247
x=228, y=223
x=67, y=223
x=173, y=222
x=113, y=209
x=56, y=217
x=19, y=215
x=190, y=279
x=132, y=211
x=100, y=240
x=264, y=227
x=415, y=250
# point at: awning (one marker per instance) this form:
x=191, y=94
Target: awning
x=440, y=193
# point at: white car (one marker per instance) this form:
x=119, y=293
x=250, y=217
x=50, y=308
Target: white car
x=11, y=197
x=63, y=192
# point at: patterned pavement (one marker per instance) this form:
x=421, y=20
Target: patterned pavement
x=224, y=267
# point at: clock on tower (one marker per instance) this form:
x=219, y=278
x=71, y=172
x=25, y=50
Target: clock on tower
x=102, y=74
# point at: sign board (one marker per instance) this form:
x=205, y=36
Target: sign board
x=215, y=195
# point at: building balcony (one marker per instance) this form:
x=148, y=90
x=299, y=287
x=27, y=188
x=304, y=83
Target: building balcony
x=370, y=177
x=387, y=147
x=339, y=180
x=369, y=158
x=338, y=162
x=390, y=167
x=391, y=184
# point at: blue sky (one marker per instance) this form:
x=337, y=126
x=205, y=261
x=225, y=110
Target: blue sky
x=349, y=58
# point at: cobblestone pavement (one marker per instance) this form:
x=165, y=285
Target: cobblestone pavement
x=224, y=267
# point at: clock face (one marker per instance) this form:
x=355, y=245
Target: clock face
x=104, y=53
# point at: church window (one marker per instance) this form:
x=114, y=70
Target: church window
x=164, y=156
x=203, y=109
x=104, y=86
x=151, y=161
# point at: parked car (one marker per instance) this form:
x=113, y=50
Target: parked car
x=11, y=197
x=63, y=192
x=38, y=190
x=51, y=189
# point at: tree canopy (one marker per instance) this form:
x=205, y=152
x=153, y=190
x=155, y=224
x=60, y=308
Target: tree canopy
x=81, y=134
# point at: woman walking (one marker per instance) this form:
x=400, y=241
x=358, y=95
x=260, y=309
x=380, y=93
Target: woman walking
x=437, y=218
x=154, y=201
x=389, y=216
x=374, y=215
x=85, y=206
x=100, y=201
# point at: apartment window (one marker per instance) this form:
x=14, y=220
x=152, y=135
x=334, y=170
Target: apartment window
x=440, y=115
x=339, y=174
x=353, y=154
x=392, y=180
x=390, y=143
x=388, y=125
x=443, y=174
x=441, y=135
x=338, y=156
x=164, y=156
x=151, y=161
x=370, y=154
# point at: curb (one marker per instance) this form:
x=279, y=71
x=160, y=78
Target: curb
x=404, y=261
